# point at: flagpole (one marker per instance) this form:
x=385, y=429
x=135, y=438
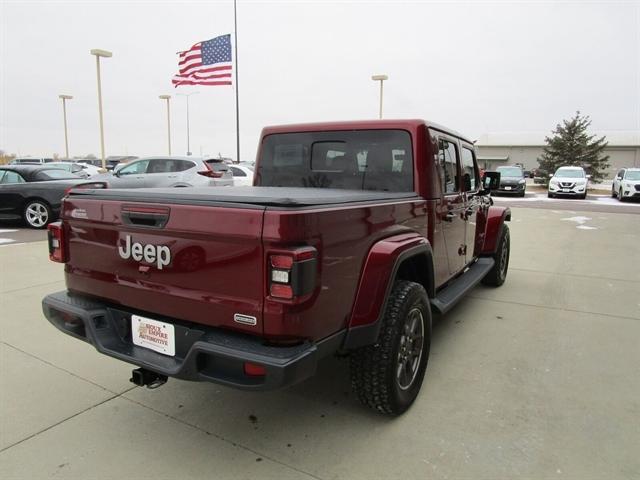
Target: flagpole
x=235, y=45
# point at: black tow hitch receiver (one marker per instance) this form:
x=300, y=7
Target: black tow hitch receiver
x=147, y=378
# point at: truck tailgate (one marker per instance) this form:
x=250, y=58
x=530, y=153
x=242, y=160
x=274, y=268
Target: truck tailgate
x=195, y=263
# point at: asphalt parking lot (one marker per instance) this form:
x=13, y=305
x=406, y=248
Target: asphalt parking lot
x=537, y=379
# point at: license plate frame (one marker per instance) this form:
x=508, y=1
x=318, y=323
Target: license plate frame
x=153, y=335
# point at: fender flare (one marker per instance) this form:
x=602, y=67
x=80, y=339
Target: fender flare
x=496, y=216
x=376, y=281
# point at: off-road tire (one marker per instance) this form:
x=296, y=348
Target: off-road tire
x=37, y=214
x=498, y=274
x=374, y=368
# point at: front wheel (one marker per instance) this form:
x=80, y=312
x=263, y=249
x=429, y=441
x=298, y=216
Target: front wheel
x=387, y=376
x=498, y=273
x=37, y=214
x=549, y=195
x=620, y=196
x=613, y=192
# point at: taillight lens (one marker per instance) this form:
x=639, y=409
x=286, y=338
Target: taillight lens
x=57, y=247
x=86, y=186
x=210, y=172
x=292, y=273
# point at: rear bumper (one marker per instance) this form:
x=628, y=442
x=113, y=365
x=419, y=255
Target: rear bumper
x=510, y=189
x=202, y=353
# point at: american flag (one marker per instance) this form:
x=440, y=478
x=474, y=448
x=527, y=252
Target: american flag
x=206, y=63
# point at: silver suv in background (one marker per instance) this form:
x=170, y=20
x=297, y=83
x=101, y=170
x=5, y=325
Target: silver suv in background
x=169, y=172
x=626, y=184
x=569, y=181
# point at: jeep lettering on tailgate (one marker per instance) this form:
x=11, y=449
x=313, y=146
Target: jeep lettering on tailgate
x=158, y=254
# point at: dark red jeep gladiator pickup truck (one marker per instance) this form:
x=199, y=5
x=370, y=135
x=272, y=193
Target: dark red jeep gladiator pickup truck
x=352, y=235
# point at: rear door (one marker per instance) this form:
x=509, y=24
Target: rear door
x=452, y=210
x=471, y=188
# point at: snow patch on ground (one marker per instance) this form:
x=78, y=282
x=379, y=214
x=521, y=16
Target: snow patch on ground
x=580, y=220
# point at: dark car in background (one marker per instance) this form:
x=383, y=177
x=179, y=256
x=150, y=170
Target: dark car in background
x=34, y=192
x=512, y=181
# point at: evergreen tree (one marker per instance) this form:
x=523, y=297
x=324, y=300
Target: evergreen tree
x=571, y=145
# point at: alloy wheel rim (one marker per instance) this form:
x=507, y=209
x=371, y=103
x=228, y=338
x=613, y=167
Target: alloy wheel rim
x=410, y=349
x=504, y=256
x=37, y=215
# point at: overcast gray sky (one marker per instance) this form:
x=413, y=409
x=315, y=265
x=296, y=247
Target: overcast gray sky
x=476, y=67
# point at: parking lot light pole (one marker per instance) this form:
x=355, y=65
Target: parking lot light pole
x=106, y=54
x=187, y=95
x=168, y=99
x=381, y=79
x=64, y=99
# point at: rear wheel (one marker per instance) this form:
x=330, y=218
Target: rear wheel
x=498, y=273
x=387, y=376
x=37, y=214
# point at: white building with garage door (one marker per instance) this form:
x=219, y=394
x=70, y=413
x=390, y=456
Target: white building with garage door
x=495, y=149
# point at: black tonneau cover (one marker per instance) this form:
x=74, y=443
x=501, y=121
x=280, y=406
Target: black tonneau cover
x=259, y=196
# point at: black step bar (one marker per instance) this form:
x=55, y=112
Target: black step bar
x=449, y=296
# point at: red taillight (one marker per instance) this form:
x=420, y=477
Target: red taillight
x=57, y=247
x=281, y=261
x=86, y=186
x=281, y=291
x=254, y=370
x=210, y=172
x=292, y=273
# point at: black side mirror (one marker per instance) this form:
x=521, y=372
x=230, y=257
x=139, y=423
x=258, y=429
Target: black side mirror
x=490, y=181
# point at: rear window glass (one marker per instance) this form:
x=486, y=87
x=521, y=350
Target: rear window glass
x=217, y=166
x=354, y=160
x=54, y=174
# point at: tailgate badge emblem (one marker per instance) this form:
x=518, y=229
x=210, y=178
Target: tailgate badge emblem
x=158, y=254
x=245, y=319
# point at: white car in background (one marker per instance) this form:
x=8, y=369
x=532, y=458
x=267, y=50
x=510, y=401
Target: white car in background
x=568, y=181
x=626, y=184
x=242, y=174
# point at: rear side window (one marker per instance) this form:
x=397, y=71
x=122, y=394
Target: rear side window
x=448, y=158
x=10, y=177
x=54, y=174
x=354, y=160
x=469, y=179
x=237, y=172
x=217, y=166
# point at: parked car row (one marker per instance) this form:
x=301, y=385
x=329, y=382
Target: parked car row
x=567, y=181
x=32, y=190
